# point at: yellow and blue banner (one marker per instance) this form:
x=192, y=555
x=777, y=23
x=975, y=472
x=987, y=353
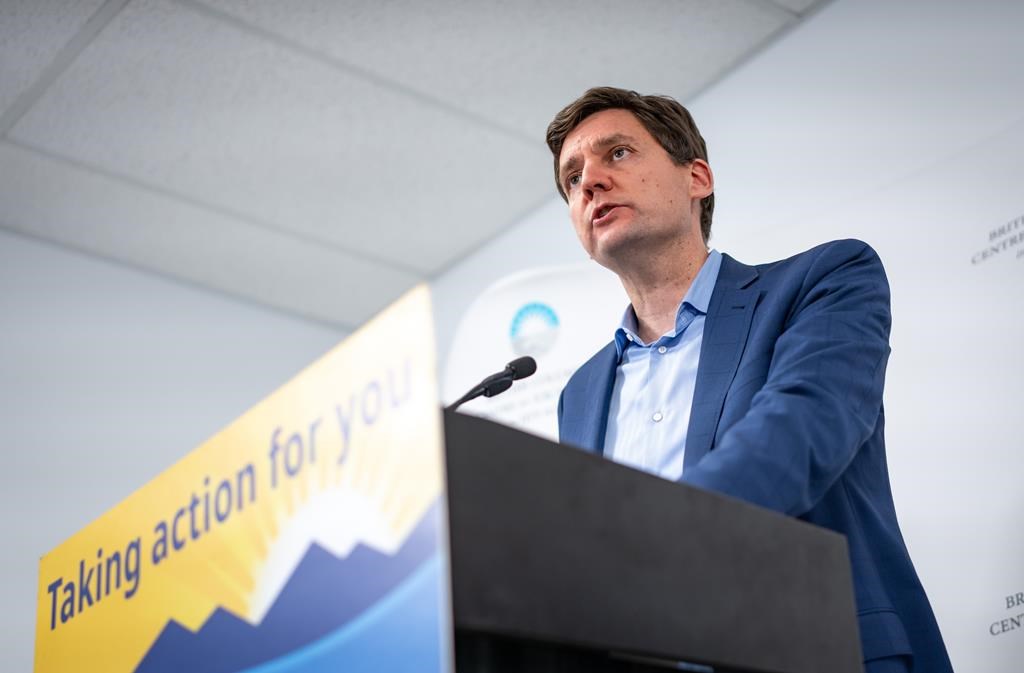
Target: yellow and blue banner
x=308, y=535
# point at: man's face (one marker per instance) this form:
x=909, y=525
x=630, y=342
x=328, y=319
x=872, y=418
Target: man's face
x=627, y=198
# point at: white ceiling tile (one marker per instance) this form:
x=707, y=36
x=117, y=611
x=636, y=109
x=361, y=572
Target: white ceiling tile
x=519, y=62
x=32, y=32
x=169, y=97
x=51, y=200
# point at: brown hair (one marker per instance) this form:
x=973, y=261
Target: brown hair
x=664, y=118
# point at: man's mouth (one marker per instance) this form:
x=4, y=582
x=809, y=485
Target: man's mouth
x=601, y=213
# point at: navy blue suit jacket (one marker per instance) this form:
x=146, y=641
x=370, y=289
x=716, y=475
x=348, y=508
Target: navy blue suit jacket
x=787, y=414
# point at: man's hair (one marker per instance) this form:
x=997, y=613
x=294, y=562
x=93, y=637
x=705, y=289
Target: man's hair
x=664, y=118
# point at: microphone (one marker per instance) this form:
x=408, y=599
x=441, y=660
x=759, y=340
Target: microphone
x=522, y=367
x=496, y=384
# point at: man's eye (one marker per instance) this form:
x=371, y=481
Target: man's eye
x=572, y=180
x=619, y=152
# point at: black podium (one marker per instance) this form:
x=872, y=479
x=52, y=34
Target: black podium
x=565, y=561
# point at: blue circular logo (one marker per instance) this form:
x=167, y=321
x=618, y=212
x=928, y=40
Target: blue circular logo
x=534, y=329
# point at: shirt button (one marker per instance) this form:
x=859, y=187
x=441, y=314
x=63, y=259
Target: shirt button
x=657, y=416
x=662, y=349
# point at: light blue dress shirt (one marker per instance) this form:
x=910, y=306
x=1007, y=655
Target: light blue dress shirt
x=654, y=383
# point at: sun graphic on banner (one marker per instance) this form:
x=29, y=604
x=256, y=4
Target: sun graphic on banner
x=337, y=521
x=373, y=499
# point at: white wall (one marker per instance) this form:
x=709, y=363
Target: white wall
x=903, y=124
x=108, y=376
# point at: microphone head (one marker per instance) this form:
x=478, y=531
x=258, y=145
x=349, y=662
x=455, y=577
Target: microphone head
x=522, y=367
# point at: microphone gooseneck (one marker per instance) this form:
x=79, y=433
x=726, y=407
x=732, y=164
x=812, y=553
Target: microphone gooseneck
x=495, y=384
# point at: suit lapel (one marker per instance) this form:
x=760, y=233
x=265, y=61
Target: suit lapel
x=725, y=335
x=594, y=417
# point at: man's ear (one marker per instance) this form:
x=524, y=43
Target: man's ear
x=702, y=180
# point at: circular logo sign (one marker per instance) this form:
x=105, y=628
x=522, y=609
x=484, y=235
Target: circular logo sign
x=534, y=329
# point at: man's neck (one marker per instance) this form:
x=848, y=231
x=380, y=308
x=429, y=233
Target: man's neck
x=656, y=289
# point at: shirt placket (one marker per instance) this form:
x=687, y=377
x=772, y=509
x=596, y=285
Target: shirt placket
x=657, y=414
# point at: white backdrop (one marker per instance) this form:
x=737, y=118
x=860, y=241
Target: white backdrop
x=955, y=381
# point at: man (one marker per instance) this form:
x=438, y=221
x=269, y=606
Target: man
x=759, y=382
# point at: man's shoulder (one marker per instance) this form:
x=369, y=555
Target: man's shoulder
x=832, y=252
x=819, y=262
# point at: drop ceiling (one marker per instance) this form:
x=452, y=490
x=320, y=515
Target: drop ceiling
x=319, y=157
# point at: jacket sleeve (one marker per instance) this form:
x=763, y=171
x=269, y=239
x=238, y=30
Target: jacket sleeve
x=561, y=403
x=822, y=396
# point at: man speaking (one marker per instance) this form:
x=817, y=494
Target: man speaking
x=760, y=382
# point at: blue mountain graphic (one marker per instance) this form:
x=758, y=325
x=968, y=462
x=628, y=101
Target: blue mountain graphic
x=323, y=594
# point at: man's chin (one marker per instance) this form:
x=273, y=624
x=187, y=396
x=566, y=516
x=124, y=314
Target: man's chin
x=611, y=251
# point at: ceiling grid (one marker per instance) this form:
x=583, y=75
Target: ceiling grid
x=379, y=142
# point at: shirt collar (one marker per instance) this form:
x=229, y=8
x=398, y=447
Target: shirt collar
x=698, y=298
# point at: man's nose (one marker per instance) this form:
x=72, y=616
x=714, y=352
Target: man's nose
x=595, y=178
